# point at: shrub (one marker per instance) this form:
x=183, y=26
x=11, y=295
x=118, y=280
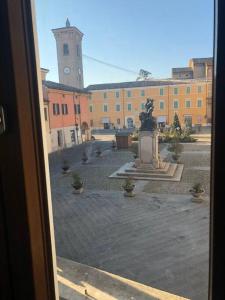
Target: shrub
x=77, y=182
x=128, y=184
x=197, y=188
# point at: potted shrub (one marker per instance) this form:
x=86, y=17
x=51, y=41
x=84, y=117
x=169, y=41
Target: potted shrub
x=84, y=157
x=77, y=184
x=197, y=191
x=128, y=187
x=65, y=166
x=98, y=151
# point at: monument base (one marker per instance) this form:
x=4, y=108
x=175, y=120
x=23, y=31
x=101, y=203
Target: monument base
x=170, y=172
x=148, y=150
x=149, y=166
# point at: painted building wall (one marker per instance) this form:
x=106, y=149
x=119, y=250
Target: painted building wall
x=136, y=97
x=65, y=123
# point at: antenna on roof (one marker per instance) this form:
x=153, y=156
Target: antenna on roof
x=67, y=23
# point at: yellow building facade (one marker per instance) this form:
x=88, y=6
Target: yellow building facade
x=118, y=105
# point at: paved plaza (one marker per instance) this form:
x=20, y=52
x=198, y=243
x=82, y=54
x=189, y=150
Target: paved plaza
x=158, y=238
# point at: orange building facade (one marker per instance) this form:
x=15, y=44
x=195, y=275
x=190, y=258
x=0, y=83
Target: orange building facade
x=66, y=115
x=118, y=105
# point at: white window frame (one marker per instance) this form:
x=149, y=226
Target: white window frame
x=117, y=92
x=187, y=100
x=175, y=88
x=161, y=89
x=103, y=108
x=175, y=100
x=117, y=104
x=201, y=103
x=188, y=87
x=163, y=102
x=129, y=94
x=142, y=92
x=130, y=106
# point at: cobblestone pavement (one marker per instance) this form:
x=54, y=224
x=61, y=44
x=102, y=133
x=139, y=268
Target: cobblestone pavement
x=159, y=237
x=196, y=160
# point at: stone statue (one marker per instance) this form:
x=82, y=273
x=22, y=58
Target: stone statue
x=148, y=122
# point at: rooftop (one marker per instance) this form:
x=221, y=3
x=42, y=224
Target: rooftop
x=63, y=87
x=184, y=69
x=132, y=84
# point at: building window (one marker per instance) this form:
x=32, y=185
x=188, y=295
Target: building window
x=175, y=104
x=105, y=107
x=129, y=107
x=187, y=103
x=56, y=110
x=142, y=106
x=105, y=95
x=72, y=134
x=188, y=90
x=64, y=109
x=77, y=109
x=91, y=123
x=117, y=94
x=199, y=89
x=91, y=108
x=199, y=103
x=161, y=105
x=117, y=107
x=175, y=91
x=65, y=49
x=78, y=50
x=128, y=93
x=161, y=91
x=46, y=113
x=89, y=97
x=118, y=121
x=142, y=93
x=188, y=121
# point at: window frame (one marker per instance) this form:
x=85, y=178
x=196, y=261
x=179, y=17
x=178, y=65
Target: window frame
x=163, y=102
x=66, y=51
x=129, y=104
x=29, y=269
x=189, y=101
x=175, y=100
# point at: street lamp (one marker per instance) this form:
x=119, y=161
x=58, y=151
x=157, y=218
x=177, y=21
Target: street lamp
x=76, y=125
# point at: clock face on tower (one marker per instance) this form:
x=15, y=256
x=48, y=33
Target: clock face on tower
x=66, y=70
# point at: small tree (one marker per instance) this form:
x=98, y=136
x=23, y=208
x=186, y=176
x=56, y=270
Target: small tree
x=176, y=125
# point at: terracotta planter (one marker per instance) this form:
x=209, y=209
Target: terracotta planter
x=197, y=197
x=65, y=170
x=129, y=192
x=78, y=191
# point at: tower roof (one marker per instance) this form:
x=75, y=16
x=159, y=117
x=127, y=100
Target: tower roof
x=67, y=23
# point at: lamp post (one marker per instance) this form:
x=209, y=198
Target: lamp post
x=76, y=125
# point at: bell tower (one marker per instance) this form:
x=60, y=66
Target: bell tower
x=69, y=55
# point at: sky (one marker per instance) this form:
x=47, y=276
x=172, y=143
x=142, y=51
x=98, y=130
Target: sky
x=154, y=35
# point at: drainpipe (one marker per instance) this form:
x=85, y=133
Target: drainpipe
x=123, y=108
x=80, y=119
x=168, y=103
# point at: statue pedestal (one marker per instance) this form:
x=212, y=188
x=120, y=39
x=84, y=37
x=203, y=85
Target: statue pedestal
x=149, y=166
x=148, y=150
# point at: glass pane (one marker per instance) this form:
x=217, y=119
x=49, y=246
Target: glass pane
x=127, y=109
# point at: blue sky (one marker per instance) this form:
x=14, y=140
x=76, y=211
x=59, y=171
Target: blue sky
x=154, y=35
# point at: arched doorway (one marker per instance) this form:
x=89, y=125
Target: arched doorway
x=85, y=131
x=84, y=127
x=130, y=123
